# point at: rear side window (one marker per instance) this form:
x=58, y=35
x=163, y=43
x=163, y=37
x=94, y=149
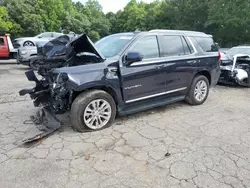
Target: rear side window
x=1, y=42
x=147, y=46
x=185, y=47
x=206, y=43
x=175, y=46
x=56, y=35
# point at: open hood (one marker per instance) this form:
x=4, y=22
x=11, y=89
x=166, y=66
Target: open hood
x=64, y=46
x=84, y=44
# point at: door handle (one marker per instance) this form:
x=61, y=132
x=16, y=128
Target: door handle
x=191, y=61
x=160, y=66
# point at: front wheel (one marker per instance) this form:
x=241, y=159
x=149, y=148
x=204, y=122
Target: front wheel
x=199, y=90
x=93, y=110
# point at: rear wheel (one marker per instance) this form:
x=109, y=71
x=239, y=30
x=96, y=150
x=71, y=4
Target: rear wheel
x=198, y=91
x=93, y=110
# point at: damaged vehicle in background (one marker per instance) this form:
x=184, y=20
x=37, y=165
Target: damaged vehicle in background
x=119, y=75
x=235, y=67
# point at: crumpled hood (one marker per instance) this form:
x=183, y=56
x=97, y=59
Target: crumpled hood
x=55, y=47
x=63, y=45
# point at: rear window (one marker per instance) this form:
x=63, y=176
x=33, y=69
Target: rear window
x=206, y=43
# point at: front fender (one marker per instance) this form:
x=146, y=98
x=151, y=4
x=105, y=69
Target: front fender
x=91, y=78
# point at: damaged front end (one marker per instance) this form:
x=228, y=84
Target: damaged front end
x=54, y=90
x=236, y=71
x=52, y=94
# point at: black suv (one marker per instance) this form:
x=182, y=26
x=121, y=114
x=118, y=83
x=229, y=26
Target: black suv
x=123, y=74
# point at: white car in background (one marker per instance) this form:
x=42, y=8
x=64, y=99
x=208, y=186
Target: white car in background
x=31, y=41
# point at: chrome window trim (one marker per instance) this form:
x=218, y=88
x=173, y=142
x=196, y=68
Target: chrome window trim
x=149, y=61
x=192, y=44
x=166, y=58
x=170, y=58
x=156, y=95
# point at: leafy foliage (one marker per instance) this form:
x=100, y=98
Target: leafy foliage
x=227, y=20
x=5, y=25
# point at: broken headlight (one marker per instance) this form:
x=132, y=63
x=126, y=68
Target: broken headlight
x=62, y=77
x=60, y=80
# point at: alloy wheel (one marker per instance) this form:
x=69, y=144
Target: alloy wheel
x=97, y=114
x=200, y=91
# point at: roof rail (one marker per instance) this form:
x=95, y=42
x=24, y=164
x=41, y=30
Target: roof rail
x=168, y=30
x=244, y=45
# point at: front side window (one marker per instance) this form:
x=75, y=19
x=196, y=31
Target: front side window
x=147, y=46
x=173, y=46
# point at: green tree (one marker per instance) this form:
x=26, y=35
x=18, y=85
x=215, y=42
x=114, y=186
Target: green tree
x=99, y=23
x=50, y=12
x=229, y=21
x=94, y=36
x=25, y=14
x=5, y=24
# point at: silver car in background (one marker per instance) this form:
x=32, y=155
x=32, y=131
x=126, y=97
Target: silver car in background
x=24, y=55
x=31, y=41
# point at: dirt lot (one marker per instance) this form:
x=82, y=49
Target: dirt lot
x=175, y=146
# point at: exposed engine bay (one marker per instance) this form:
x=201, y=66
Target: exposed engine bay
x=236, y=71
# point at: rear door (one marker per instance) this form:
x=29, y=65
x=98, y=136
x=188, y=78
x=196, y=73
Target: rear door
x=209, y=56
x=144, y=79
x=4, y=49
x=180, y=62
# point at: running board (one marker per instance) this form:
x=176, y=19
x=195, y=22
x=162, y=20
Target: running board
x=148, y=104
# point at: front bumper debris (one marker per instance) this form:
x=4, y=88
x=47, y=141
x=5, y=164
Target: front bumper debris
x=46, y=122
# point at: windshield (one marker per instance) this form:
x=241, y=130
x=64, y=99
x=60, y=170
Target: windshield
x=238, y=50
x=110, y=46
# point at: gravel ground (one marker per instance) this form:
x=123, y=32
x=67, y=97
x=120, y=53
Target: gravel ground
x=174, y=146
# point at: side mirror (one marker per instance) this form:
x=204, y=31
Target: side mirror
x=132, y=57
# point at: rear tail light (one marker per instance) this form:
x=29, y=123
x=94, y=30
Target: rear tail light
x=219, y=57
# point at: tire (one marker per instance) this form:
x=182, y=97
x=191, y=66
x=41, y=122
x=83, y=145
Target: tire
x=28, y=43
x=192, y=97
x=81, y=107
